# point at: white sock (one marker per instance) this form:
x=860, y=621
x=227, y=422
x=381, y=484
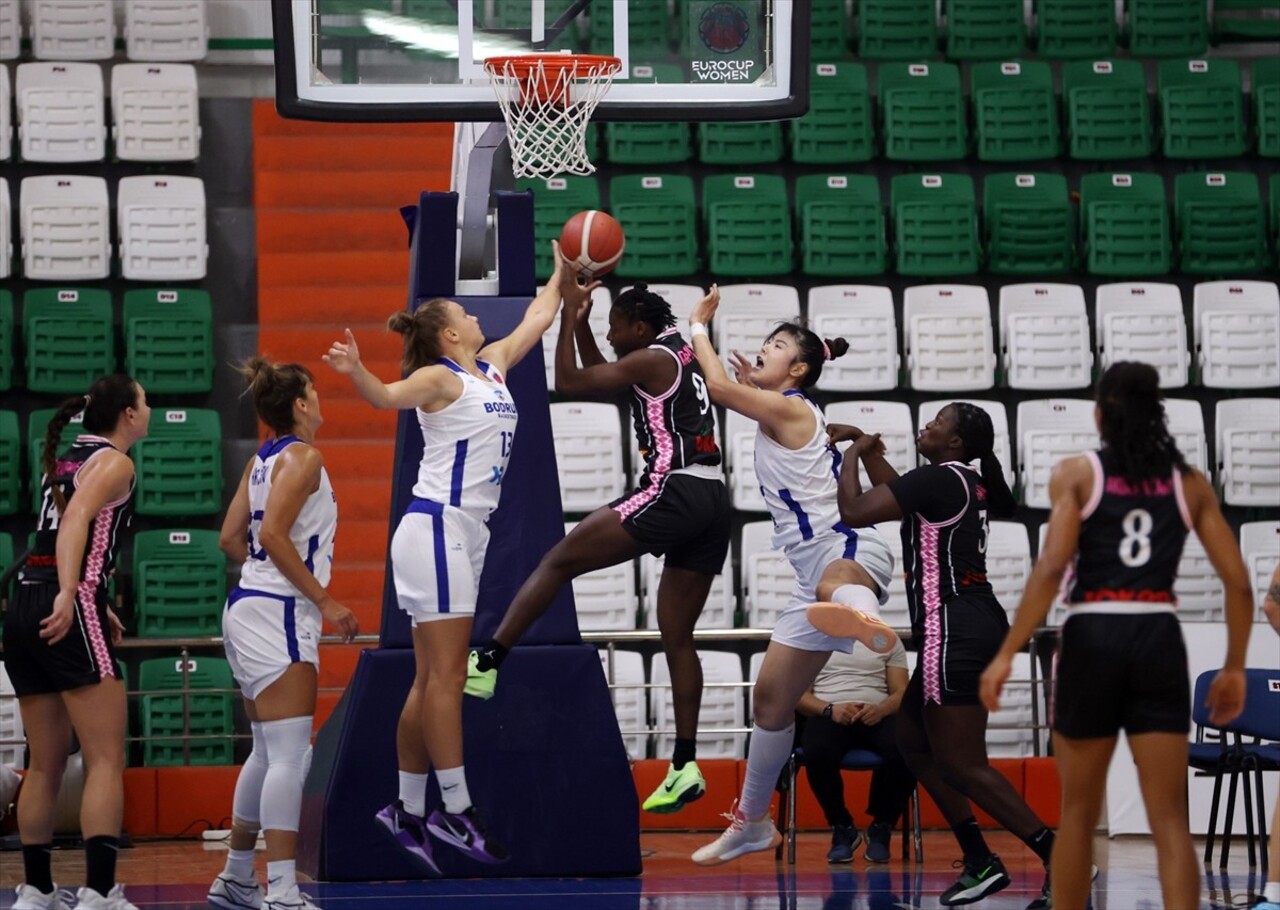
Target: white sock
x=1271, y=890
x=861, y=599
x=770, y=750
x=282, y=877
x=453, y=789
x=288, y=754
x=239, y=864
x=413, y=793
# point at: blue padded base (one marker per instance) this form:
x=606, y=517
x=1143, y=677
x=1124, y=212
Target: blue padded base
x=545, y=765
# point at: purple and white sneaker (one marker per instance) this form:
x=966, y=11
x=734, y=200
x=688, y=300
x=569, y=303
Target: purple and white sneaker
x=464, y=831
x=410, y=834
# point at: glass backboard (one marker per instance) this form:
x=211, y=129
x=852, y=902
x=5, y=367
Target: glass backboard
x=422, y=60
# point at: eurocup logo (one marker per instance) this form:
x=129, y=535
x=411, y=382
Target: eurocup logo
x=724, y=28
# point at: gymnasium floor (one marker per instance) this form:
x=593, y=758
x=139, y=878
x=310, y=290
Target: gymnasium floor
x=175, y=874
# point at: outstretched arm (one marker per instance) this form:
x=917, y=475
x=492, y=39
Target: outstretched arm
x=429, y=387
x=507, y=352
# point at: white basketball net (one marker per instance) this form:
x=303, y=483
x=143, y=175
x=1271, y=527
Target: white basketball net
x=547, y=101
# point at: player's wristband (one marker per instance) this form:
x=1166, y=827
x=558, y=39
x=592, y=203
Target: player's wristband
x=697, y=328
x=826, y=712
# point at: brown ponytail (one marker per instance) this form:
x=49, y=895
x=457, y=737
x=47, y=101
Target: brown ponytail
x=421, y=330
x=275, y=387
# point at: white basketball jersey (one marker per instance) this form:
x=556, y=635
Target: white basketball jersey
x=467, y=444
x=312, y=532
x=799, y=485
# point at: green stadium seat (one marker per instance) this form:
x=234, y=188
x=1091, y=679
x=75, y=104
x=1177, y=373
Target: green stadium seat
x=1125, y=225
x=1108, y=111
x=37, y=426
x=659, y=216
x=841, y=219
x=922, y=112
x=6, y=340
x=1246, y=20
x=1222, y=223
x=935, y=224
x=1275, y=212
x=648, y=29
x=169, y=340
x=68, y=337
x=555, y=201
x=740, y=144
x=1168, y=28
x=1015, y=111
x=748, y=225
x=1075, y=29
x=828, y=31
x=1027, y=224
x=985, y=29
x=897, y=29
x=838, y=129
x=10, y=464
x=179, y=463
x=207, y=713
x=179, y=583
x=1202, y=108
x=7, y=557
x=1265, y=79
x=650, y=143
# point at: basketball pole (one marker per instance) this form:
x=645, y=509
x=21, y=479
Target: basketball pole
x=488, y=170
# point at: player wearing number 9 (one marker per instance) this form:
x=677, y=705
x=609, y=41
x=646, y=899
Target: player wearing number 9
x=1119, y=519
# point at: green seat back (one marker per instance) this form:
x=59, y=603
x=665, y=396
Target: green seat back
x=650, y=143
x=1202, y=108
x=985, y=29
x=748, y=225
x=555, y=201
x=1027, y=224
x=897, y=29
x=1125, y=225
x=740, y=144
x=179, y=582
x=1246, y=20
x=659, y=217
x=1222, y=223
x=1015, y=111
x=648, y=29
x=7, y=348
x=10, y=464
x=1265, y=78
x=208, y=713
x=169, y=340
x=935, y=224
x=1075, y=29
x=179, y=463
x=828, y=30
x=7, y=557
x=1108, y=111
x=842, y=229
x=1275, y=212
x=838, y=129
x=922, y=112
x=37, y=427
x=69, y=338
x=1168, y=28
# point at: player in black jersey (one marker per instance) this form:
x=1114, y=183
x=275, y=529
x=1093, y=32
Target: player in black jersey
x=1118, y=522
x=61, y=633
x=956, y=622
x=680, y=508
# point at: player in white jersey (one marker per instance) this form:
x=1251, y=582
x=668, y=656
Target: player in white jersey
x=796, y=468
x=280, y=525
x=455, y=383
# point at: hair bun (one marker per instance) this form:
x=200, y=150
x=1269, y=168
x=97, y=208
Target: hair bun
x=400, y=322
x=835, y=347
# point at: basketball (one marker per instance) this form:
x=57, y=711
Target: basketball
x=594, y=241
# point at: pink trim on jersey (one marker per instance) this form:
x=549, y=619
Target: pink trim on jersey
x=87, y=600
x=1053, y=679
x=679, y=372
x=929, y=588
x=1181, y=496
x=639, y=501
x=1095, y=495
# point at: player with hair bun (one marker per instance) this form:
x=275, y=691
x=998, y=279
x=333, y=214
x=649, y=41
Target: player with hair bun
x=796, y=468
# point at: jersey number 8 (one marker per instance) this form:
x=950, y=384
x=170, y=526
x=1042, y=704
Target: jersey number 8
x=1135, y=546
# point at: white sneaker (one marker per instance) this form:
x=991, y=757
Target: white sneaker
x=29, y=897
x=88, y=899
x=293, y=899
x=231, y=893
x=742, y=836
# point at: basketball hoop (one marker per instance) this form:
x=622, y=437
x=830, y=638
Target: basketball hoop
x=547, y=101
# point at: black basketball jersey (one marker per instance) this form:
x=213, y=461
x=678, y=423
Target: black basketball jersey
x=944, y=536
x=105, y=529
x=1131, y=538
x=677, y=428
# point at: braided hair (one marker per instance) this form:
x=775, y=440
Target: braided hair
x=106, y=400
x=978, y=436
x=814, y=351
x=1133, y=423
x=639, y=304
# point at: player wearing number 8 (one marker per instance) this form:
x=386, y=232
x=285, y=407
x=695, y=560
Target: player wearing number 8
x=1119, y=519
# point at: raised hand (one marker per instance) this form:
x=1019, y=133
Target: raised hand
x=707, y=306
x=742, y=368
x=842, y=432
x=344, y=357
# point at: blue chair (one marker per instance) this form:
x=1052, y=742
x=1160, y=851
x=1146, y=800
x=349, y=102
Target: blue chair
x=1231, y=756
x=854, y=760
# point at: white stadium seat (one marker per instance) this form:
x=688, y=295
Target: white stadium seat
x=897, y=611
x=6, y=119
x=1016, y=712
x=891, y=419
x=606, y=598
x=163, y=235
x=155, y=109
x=1143, y=321
x=748, y=313
x=65, y=228
x=739, y=445
x=1008, y=562
x=1186, y=426
x=682, y=298
x=588, y=440
x=10, y=29
x=1260, y=546
x=1049, y=430
x=630, y=705
x=766, y=577
x=73, y=29
x=165, y=30
x=722, y=709
x=862, y=315
x=11, y=729
x=947, y=338
x=1197, y=587
x=1044, y=336
x=6, y=219
x=999, y=424
x=601, y=302
x=1058, y=612
x=719, y=609
x=1237, y=333
x=1247, y=431
x=61, y=112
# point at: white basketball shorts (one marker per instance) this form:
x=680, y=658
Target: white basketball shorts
x=263, y=633
x=437, y=555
